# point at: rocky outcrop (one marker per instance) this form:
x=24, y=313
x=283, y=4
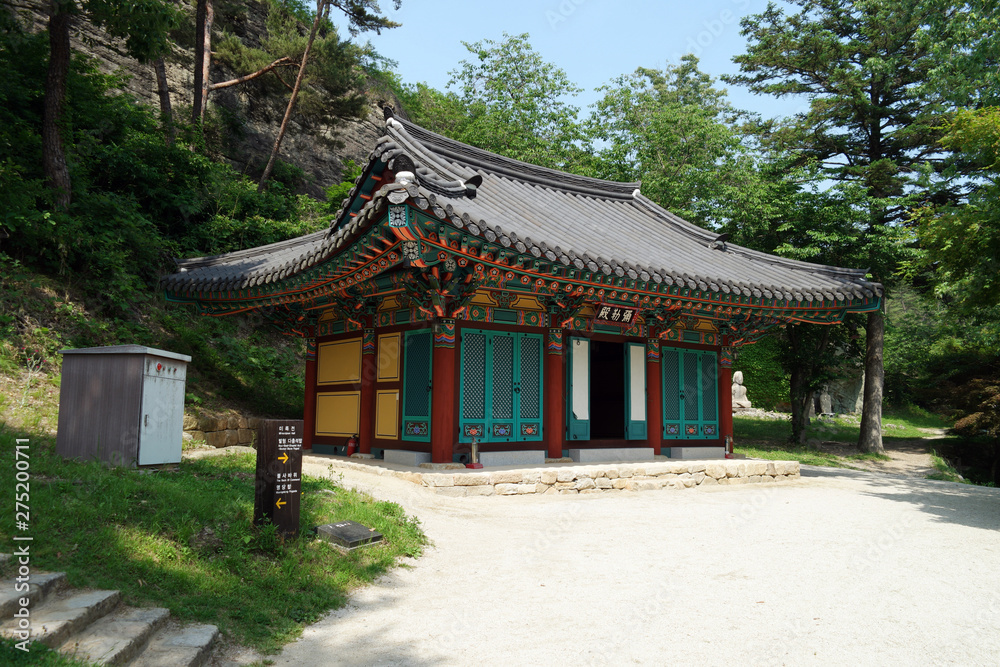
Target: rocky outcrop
x=321, y=151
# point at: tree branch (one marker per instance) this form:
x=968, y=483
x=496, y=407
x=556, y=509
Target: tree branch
x=280, y=62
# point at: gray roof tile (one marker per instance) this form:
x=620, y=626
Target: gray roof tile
x=585, y=222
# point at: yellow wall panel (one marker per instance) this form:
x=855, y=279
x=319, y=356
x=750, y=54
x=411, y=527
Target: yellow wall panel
x=339, y=361
x=387, y=414
x=388, y=357
x=338, y=413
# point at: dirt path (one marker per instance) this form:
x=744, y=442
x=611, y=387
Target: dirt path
x=909, y=458
x=801, y=573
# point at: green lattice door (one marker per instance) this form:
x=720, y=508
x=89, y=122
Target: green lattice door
x=501, y=389
x=690, y=394
x=529, y=387
x=417, y=363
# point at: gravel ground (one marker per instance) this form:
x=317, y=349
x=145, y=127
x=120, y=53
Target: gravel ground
x=841, y=567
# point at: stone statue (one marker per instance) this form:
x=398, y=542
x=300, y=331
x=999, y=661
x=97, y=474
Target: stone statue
x=740, y=400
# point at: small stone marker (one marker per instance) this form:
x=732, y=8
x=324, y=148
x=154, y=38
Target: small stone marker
x=279, y=474
x=348, y=534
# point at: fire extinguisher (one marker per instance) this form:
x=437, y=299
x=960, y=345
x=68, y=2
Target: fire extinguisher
x=352, y=444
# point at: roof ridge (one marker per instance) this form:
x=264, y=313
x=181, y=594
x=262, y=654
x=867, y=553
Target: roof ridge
x=478, y=158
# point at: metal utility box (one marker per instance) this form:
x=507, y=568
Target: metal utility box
x=122, y=404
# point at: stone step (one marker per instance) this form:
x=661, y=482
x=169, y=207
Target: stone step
x=40, y=586
x=178, y=646
x=58, y=618
x=116, y=638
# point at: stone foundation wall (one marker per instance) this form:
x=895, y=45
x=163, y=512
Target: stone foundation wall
x=221, y=431
x=610, y=478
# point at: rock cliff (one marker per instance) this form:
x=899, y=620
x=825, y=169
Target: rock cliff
x=319, y=150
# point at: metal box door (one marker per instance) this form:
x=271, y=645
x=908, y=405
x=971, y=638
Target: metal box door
x=161, y=419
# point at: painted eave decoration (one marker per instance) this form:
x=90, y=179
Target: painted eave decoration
x=432, y=221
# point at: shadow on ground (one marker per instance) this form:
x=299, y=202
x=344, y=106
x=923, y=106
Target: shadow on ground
x=948, y=502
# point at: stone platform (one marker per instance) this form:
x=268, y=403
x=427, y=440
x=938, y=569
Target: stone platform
x=573, y=478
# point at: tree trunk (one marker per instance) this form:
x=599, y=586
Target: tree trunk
x=800, y=399
x=320, y=4
x=280, y=62
x=204, y=17
x=870, y=437
x=53, y=155
x=166, y=112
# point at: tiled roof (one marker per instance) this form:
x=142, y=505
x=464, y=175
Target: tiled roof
x=590, y=223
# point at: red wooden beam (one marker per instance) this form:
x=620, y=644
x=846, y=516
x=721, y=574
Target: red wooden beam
x=725, y=399
x=554, y=394
x=444, y=409
x=309, y=412
x=366, y=418
x=654, y=396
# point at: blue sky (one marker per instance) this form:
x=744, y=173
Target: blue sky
x=592, y=40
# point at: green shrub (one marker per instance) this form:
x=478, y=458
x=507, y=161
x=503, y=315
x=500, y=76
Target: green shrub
x=766, y=382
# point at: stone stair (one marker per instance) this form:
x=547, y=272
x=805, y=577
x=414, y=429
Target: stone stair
x=95, y=627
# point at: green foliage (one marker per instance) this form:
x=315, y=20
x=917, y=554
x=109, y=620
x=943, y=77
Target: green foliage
x=508, y=100
x=183, y=538
x=765, y=379
x=976, y=407
x=142, y=24
x=945, y=471
x=675, y=132
x=333, y=84
x=870, y=126
x=243, y=360
x=137, y=200
x=961, y=241
x=962, y=37
x=335, y=194
x=38, y=655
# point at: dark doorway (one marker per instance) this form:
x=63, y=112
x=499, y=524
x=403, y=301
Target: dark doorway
x=607, y=390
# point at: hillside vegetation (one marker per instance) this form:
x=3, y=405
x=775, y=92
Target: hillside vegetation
x=80, y=267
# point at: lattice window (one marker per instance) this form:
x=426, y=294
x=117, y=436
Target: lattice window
x=418, y=374
x=503, y=377
x=690, y=387
x=501, y=395
x=531, y=380
x=474, y=376
x=710, y=393
x=671, y=382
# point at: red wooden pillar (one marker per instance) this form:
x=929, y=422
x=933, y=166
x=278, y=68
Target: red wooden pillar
x=366, y=418
x=726, y=394
x=654, y=396
x=444, y=422
x=554, y=393
x=309, y=411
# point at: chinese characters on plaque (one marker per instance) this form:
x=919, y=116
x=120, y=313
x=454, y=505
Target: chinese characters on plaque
x=623, y=316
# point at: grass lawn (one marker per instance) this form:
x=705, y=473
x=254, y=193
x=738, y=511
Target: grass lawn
x=768, y=438
x=38, y=655
x=183, y=538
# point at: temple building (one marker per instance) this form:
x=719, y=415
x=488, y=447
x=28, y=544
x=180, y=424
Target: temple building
x=462, y=295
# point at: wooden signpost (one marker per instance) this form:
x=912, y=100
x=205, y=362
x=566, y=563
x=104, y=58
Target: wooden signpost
x=279, y=474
